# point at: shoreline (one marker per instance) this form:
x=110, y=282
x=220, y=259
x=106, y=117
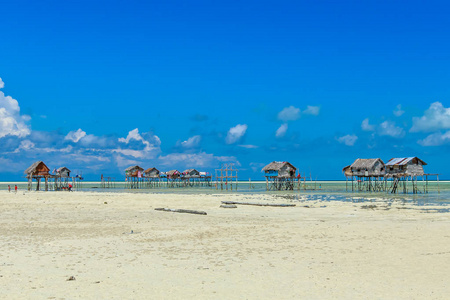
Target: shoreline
x=116, y=245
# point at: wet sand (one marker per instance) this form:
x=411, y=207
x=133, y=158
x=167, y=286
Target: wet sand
x=327, y=250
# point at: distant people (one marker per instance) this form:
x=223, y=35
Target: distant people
x=9, y=188
x=15, y=188
x=70, y=187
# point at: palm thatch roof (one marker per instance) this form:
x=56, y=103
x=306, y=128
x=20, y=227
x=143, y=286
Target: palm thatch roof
x=151, y=169
x=172, y=172
x=277, y=166
x=38, y=166
x=365, y=163
x=134, y=168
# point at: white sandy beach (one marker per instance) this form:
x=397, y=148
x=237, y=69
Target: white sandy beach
x=331, y=250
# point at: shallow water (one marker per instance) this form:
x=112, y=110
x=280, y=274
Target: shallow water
x=438, y=193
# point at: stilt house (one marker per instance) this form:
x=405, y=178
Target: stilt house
x=152, y=173
x=134, y=171
x=279, y=175
x=173, y=174
x=37, y=171
x=372, y=167
x=191, y=173
x=405, y=166
x=279, y=169
x=63, y=172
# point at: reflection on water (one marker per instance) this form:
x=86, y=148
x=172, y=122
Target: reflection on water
x=323, y=191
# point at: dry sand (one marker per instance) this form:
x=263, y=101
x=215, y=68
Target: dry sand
x=340, y=251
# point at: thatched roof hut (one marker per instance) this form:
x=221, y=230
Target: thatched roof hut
x=191, y=173
x=405, y=166
x=173, y=174
x=152, y=172
x=133, y=171
x=368, y=167
x=279, y=169
x=63, y=172
x=37, y=169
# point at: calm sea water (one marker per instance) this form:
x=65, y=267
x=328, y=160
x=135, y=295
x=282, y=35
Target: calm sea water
x=438, y=193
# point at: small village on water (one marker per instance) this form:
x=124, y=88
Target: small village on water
x=398, y=175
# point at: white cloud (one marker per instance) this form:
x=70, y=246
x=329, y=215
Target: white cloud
x=281, y=131
x=436, y=139
x=11, y=121
x=192, y=142
x=151, y=145
x=366, y=126
x=348, y=140
x=248, y=146
x=436, y=117
x=75, y=136
x=25, y=145
x=236, y=133
x=290, y=113
x=398, y=111
x=312, y=110
x=388, y=128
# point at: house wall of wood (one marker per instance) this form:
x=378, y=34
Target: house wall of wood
x=410, y=169
x=378, y=169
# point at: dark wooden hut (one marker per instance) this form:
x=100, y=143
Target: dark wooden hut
x=37, y=171
x=280, y=175
x=152, y=173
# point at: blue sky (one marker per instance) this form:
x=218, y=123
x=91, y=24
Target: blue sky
x=101, y=85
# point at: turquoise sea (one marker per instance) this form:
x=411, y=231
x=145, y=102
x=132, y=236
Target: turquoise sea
x=438, y=193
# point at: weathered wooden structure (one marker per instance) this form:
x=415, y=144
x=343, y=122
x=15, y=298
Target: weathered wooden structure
x=38, y=171
x=108, y=182
x=374, y=176
x=62, y=178
x=133, y=177
x=400, y=171
x=173, y=178
x=280, y=175
x=369, y=174
x=152, y=177
x=225, y=177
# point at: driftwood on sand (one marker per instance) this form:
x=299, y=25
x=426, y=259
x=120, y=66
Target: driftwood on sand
x=186, y=211
x=258, y=204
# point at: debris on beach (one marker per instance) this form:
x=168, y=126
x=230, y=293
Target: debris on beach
x=258, y=204
x=186, y=211
x=228, y=206
x=71, y=278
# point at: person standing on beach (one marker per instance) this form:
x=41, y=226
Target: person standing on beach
x=15, y=188
x=9, y=188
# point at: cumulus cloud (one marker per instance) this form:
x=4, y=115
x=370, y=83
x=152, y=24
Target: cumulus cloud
x=192, y=142
x=312, y=110
x=366, y=126
x=281, y=131
x=75, y=136
x=290, y=113
x=436, y=117
x=348, y=140
x=139, y=147
x=236, y=133
x=398, y=111
x=388, y=128
x=436, y=139
x=11, y=121
x=25, y=145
